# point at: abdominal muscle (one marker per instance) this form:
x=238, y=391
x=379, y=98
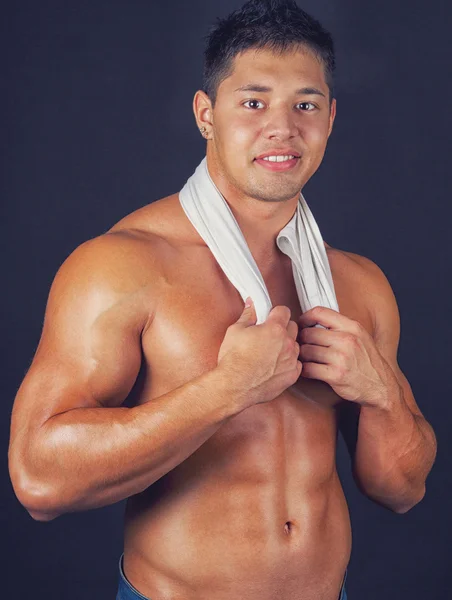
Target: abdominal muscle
x=257, y=512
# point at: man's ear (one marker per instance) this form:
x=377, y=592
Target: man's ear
x=332, y=116
x=202, y=108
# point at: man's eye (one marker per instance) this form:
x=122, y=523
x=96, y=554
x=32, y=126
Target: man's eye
x=307, y=106
x=254, y=101
x=313, y=106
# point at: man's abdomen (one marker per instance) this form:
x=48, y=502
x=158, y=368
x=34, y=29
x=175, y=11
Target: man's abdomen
x=257, y=511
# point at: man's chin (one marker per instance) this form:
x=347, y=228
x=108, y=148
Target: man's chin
x=276, y=193
x=278, y=196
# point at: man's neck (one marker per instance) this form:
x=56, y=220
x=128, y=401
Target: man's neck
x=259, y=221
x=260, y=227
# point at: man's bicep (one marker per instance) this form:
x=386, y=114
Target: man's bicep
x=89, y=353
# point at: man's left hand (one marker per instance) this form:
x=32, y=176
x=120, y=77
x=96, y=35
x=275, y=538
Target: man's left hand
x=345, y=356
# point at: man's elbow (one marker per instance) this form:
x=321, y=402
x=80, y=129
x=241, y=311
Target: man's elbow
x=37, y=497
x=404, y=508
x=399, y=504
x=39, y=507
x=41, y=516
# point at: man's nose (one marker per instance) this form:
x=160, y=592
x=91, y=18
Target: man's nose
x=281, y=123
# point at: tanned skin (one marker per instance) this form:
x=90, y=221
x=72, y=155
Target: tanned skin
x=151, y=383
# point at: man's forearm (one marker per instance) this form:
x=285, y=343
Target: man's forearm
x=395, y=452
x=91, y=457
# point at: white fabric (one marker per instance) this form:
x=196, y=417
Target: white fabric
x=300, y=239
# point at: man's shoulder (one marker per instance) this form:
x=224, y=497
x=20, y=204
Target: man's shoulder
x=361, y=266
x=350, y=263
x=127, y=256
x=367, y=280
x=163, y=220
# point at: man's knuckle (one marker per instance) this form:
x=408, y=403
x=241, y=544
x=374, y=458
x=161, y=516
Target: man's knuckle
x=349, y=338
x=277, y=329
x=288, y=345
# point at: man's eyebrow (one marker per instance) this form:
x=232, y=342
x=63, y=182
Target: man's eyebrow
x=254, y=87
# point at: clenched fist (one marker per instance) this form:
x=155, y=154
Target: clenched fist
x=261, y=360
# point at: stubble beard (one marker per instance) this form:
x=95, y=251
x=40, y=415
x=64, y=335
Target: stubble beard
x=278, y=191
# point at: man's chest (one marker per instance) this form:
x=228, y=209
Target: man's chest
x=197, y=303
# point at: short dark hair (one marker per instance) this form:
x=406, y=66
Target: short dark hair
x=276, y=25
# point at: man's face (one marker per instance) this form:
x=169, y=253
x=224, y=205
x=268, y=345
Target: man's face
x=293, y=115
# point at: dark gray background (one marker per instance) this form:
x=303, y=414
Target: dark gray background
x=96, y=121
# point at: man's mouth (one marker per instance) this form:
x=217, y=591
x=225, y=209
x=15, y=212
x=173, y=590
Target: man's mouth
x=278, y=163
x=278, y=158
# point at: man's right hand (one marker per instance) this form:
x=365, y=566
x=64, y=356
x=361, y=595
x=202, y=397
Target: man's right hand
x=261, y=360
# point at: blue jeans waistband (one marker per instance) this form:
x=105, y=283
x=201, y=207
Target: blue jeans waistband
x=126, y=591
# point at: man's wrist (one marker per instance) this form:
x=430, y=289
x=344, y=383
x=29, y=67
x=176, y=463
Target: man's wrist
x=233, y=396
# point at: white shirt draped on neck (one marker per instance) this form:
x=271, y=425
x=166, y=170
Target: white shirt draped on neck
x=300, y=239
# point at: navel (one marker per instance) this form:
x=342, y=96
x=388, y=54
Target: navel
x=288, y=527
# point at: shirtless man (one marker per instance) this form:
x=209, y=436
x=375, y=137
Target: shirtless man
x=225, y=452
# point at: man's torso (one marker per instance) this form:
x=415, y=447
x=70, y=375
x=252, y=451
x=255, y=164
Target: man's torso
x=258, y=510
